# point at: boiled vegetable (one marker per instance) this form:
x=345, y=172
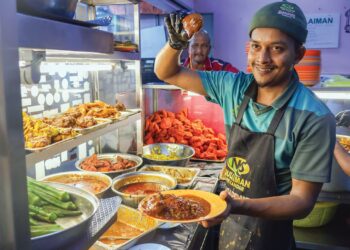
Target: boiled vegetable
x=44, y=229
x=60, y=195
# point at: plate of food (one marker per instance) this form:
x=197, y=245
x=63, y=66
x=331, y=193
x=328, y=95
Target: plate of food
x=344, y=140
x=182, y=206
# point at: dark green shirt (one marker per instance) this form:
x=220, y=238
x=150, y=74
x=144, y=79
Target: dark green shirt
x=305, y=137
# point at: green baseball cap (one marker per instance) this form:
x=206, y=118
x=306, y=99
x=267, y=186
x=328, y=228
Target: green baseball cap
x=285, y=16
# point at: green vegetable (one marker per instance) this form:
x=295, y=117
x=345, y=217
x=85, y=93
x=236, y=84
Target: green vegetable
x=42, y=214
x=44, y=229
x=33, y=222
x=51, y=199
x=60, y=195
x=33, y=199
x=61, y=212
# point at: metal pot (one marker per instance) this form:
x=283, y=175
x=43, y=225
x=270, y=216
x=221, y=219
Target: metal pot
x=74, y=177
x=112, y=157
x=183, y=152
x=137, y=177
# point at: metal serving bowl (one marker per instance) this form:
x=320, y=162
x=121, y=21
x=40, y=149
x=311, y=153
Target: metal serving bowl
x=137, y=177
x=184, y=152
x=62, y=8
x=74, y=227
x=78, y=178
x=112, y=174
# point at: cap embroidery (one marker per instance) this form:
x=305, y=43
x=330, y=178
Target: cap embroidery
x=287, y=10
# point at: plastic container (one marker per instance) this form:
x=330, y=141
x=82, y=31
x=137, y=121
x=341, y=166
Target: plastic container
x=321, y=214
x=309, y=68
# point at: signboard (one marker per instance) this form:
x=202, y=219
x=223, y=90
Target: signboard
x=323, y=30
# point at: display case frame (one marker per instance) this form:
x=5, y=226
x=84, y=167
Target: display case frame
x=71, y=42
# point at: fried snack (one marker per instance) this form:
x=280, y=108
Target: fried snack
x=192, y=23
x=74, y=112
x=64, y=133
x=97, y=109
x=38, y=134
x=63, y=121
x=37, y=142
x=120, y=106
x=85, y=122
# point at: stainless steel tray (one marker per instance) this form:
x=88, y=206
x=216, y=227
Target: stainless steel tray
x=180, y=170
x=131, y=217
x=73, y=226
x=49, y=146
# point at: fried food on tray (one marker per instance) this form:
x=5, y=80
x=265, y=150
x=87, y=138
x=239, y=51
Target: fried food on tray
x=62, y=121
x=120, y=106
x=74, y=111
x=85, y=121
x=92, y=163
x=37, y=142
x=97, y=109
x=37, y=133
x=172, y=207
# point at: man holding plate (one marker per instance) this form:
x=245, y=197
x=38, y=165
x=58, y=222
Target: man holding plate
x=281, y=135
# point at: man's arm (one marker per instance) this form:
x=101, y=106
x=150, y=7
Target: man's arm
x=295, y=205
x=342, y=157
x=168, y=69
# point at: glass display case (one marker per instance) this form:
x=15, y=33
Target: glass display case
x=47, y=67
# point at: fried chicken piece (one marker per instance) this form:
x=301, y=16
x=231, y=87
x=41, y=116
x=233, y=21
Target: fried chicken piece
x=120, y=106
x=86, y=121
x=64, y=121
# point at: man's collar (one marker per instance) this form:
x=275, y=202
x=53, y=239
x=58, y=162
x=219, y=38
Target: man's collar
x=283, y=98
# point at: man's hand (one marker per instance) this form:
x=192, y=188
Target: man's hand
x=178, y=38
x=343, y=118
x=217, y=220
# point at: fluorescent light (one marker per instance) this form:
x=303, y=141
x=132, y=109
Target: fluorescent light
x=333, y=95
x=52, y=67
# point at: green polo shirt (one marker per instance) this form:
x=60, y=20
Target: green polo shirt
x=305, y=137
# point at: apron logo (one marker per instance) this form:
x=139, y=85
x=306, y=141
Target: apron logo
x=238, y=166
x=236, y=169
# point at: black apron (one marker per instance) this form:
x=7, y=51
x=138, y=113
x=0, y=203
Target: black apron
x=250, y=173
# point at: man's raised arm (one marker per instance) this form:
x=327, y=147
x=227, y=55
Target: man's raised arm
x=167, y=65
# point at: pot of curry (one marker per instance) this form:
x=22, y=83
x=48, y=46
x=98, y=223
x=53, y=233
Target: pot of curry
x=95, y=183
x=133, y=187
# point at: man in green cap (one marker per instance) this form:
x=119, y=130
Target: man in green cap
x=281, y=135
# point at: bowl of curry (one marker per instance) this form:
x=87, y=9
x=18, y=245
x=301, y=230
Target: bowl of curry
x=95, y=183
x=133, y=187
